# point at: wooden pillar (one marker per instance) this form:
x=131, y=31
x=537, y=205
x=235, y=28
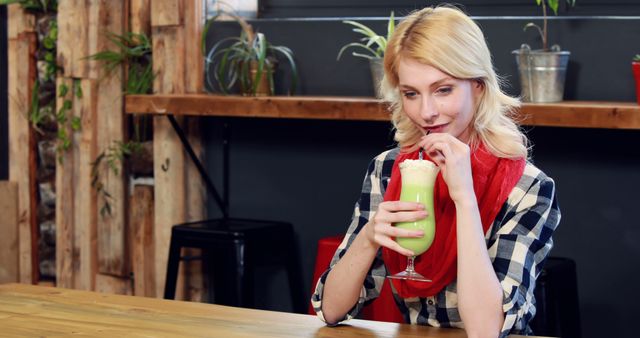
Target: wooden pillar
x=9, y=229
x=22, y=72
x=89, y=244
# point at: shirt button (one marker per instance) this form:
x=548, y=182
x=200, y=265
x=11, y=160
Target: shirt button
x=430, y=302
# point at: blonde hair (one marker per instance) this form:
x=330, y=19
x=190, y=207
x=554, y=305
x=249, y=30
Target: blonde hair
x=447, y=39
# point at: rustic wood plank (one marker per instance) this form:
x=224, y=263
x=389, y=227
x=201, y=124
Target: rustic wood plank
x=142, y=253
x=9, y=268
x=21, y=142
x=194, y=67
x=195, y=191
x=33, y=311
x=169, y=161
x=113, y=285
x=576, y=114
x=19, y=21
x=74, y=23
x=338, y=108
x=166, y=12
x=582, y=114
x=85, y=199
x=111, y=229
x=65, y=172
x=140, y=16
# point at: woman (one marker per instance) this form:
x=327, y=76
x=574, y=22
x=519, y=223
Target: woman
x=495, y=212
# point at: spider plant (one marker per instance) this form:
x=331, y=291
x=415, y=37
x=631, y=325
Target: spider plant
x=134, y=50
x=553, y=4
x=371, y=43
x=247, y=61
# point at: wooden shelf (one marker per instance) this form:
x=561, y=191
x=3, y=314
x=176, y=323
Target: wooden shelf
x=578, y=114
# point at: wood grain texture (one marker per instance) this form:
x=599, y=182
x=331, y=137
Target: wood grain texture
x=142, y=253
x=65, y=173
x=42, y=311
x=85, y=199
x=21, y=142
x=74, y=19
x=9, y=228
x=112, y=246
x=167, y=12
x=19, y=21
x=113, y=285
x=195, y=187
x=168, y=156
x=140, y=16
x=573, y=114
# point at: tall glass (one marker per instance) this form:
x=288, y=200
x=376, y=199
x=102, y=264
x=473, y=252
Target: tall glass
x=418, y=179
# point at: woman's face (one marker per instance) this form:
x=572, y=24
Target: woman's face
x=437, y=102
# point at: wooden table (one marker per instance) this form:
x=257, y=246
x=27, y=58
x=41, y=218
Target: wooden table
x=37, y=311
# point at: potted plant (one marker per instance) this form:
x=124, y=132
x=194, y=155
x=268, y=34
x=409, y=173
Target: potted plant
x=246, y=62
x=635, y=66
x=542, y=72
x=372, y=46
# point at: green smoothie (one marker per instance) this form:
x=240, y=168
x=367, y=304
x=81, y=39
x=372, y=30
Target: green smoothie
x=418, y=178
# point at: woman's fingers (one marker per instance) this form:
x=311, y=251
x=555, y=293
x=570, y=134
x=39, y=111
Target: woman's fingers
x=393, y=245
x=400, y=206
x=401, y=216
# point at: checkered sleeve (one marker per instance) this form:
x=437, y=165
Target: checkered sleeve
x=370, y=198
x=520, y=246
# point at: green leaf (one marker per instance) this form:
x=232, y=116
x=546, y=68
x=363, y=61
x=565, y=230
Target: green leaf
x=553, y=4
x=78, y=87
x=62, y=90
x=76, y=123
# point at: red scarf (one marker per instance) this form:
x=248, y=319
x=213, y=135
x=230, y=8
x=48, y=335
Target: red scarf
x=493, y=180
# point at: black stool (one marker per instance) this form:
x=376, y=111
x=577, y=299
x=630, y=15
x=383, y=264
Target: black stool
x=557, y=306
x=233, y=248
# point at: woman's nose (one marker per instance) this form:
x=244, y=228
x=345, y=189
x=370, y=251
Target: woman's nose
x=428, y=110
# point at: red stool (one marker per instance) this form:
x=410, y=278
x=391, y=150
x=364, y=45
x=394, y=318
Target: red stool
x=382, y=309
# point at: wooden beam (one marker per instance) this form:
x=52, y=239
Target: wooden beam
x=330, y=108
x=574, y=114
x=19, y=21
x=21, y=142
x=169, y=161
x=112, y=228
x=582, y=114
x=166, y=12
x=9, y=268
x=74, y=26
x=141, y=221
x=65, y=172
x=85, y=199
x=140, y=17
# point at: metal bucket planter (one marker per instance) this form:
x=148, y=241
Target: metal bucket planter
x=542, y=73
x=376, y=66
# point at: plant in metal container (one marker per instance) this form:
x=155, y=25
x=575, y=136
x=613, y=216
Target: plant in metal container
x=245, y=63
x=371, y=46
x=542, y=71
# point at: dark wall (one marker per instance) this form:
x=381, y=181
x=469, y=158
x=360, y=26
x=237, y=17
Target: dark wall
x=4, y=137
x=310, y=172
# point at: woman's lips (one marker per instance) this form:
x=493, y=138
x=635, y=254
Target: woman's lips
x=435, y=129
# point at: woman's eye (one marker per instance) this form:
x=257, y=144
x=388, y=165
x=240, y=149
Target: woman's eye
x=444, y=90
x=409, y=94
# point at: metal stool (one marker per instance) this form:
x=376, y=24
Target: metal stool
x=234, y=248
x=558, y=310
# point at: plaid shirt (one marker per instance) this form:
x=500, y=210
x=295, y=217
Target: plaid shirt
x=518, y=243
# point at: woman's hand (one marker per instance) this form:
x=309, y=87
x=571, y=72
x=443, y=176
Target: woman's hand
x=380, y=230
x=453, y=158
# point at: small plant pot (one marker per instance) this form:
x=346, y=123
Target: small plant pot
x=377, y=73
x=542, y=74
x=635, y=66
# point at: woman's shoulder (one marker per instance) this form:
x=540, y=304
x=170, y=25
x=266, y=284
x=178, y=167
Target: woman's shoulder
x=533, y=182
x=383, y=162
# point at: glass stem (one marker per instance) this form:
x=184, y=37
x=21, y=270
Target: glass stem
x=410, y=269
